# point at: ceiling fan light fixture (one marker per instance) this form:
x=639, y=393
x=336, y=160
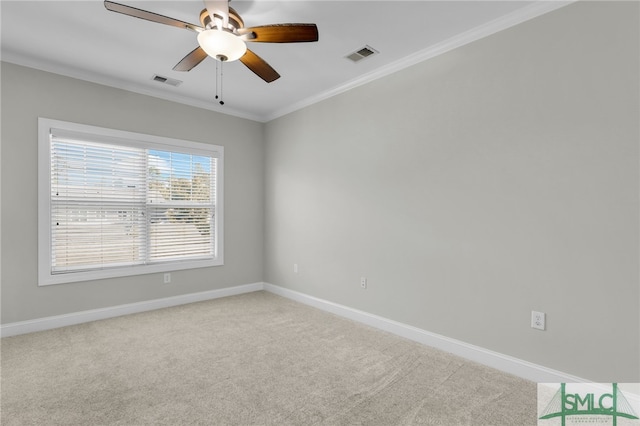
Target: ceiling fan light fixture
x=222, y=45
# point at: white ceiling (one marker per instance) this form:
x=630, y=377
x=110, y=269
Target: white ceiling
x=82, y=39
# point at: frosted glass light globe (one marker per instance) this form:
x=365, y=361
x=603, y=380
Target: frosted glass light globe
x=222, y=45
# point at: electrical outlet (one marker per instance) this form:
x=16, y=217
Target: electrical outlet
x=363, y=282
x=538, y=320
x=167, y=278
x=295, y=268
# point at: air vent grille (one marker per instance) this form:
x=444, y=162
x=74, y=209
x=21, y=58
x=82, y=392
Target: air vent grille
x=362, y=53
x=166, y=80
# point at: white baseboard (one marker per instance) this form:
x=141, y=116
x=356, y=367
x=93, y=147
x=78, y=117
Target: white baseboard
x=48, y=323
x=508, y=364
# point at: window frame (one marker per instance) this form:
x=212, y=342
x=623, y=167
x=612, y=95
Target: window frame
x=130, y=139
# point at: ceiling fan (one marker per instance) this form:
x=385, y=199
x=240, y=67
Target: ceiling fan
x=222, y=35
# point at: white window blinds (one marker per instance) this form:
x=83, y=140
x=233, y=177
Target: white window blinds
x=180, y=205
x=98, y=206
x=115, y=204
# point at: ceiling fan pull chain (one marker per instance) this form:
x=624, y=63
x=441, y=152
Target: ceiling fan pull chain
x=221, y=74
x=216, y=79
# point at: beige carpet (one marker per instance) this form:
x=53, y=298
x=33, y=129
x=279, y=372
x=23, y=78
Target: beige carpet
x=254, y=359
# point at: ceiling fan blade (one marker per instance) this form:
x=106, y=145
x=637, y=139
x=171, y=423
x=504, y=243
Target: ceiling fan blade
x=259, y=66
x=281, y=33
x=149, y=16
x=189, y=62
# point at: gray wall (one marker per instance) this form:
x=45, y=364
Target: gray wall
x=472, y=188
x=28, y=94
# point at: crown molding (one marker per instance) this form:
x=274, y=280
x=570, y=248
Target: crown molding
x=104, y=80
x=538, y=8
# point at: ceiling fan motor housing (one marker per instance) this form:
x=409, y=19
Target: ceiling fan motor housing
x=235, y=21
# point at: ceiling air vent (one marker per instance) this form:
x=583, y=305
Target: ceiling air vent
x=360, y=54
x=166, y=80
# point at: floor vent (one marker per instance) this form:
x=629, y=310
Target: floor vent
x=166, y=80
x=360, y=54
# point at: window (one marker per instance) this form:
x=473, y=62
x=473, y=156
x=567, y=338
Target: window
x=115, y=203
